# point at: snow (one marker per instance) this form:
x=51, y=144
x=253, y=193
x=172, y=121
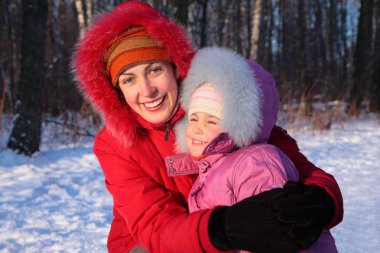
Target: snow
x=351, y=154
x=56, y=201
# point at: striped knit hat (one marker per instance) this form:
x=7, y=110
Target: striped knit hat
x=132, y=47
x=206, y=98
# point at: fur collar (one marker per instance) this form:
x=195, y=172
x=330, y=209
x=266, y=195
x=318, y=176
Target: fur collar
x=240, y=91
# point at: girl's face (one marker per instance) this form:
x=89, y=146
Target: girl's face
x=151, y=90
x=202, y=128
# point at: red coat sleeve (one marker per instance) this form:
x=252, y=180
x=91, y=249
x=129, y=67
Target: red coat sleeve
x=155, y=217
x=308, y=172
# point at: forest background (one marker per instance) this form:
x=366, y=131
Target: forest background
x=324, y=54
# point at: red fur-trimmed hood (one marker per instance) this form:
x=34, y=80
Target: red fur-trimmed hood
x=89, y=66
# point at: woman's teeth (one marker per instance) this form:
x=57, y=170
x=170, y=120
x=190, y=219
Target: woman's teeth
x=155, y=103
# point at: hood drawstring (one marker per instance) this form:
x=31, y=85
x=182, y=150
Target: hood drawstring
x=167, y=131
x=170, y=122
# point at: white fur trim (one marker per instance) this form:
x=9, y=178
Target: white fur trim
x=240, y=91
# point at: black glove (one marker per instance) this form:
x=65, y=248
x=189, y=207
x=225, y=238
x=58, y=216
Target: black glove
x=251, y=225
x=307, y=209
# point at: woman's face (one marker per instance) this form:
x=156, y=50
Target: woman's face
x=151, y=90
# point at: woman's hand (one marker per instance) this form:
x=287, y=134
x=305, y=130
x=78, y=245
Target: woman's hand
x=304, y=210
x=279, y=220
x=251, y=225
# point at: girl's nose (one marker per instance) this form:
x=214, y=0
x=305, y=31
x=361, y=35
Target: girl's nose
x=147, y=89
x=197, y=129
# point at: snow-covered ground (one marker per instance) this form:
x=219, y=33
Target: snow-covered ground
x=56, y=201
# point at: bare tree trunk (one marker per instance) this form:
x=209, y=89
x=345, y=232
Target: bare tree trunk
x=80, y=16
x=89, y=11
x=4, y=86
x=344, y=50
x=269, y=37
x=26, y=133
x=196, y=22
x=181, y=10
x=289, y=43
x=62, y=35
x=375, y=90
x=255, y=28
x=320, y=48
x=332, y=47
x=264, y=43
x=10, y=43
x=302, y=63
x=213, y=23
x=363, y=55
x=229, y=18
x=244, y=28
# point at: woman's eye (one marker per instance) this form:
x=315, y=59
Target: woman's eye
x=127, y=80
x=156, y=70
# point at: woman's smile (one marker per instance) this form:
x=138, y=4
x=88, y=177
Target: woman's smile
x=155, y=104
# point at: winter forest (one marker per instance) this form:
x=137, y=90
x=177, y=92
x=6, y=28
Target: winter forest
x=324, y=54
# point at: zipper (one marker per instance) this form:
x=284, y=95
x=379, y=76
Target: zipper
x=167, y=131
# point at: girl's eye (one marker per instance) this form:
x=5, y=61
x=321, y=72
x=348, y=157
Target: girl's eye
x=211, y=122
x=194, y=119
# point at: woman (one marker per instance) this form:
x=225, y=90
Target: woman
x=129, y=65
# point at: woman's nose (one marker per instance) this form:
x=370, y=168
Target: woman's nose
x=147, y=89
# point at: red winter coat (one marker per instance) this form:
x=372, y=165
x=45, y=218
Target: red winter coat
x=149, y=207
x=152, y=206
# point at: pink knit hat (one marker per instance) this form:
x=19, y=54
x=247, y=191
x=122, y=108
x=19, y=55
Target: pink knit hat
x=206, y=98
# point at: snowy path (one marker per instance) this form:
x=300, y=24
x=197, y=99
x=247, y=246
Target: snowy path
x=56, y=201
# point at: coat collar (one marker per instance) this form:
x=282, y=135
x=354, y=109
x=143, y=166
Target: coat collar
x=177, y=115
x=183, y=164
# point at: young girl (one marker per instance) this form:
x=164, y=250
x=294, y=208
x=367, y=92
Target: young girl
x=220, y=132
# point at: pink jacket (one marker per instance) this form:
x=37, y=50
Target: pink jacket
x=227, y=176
